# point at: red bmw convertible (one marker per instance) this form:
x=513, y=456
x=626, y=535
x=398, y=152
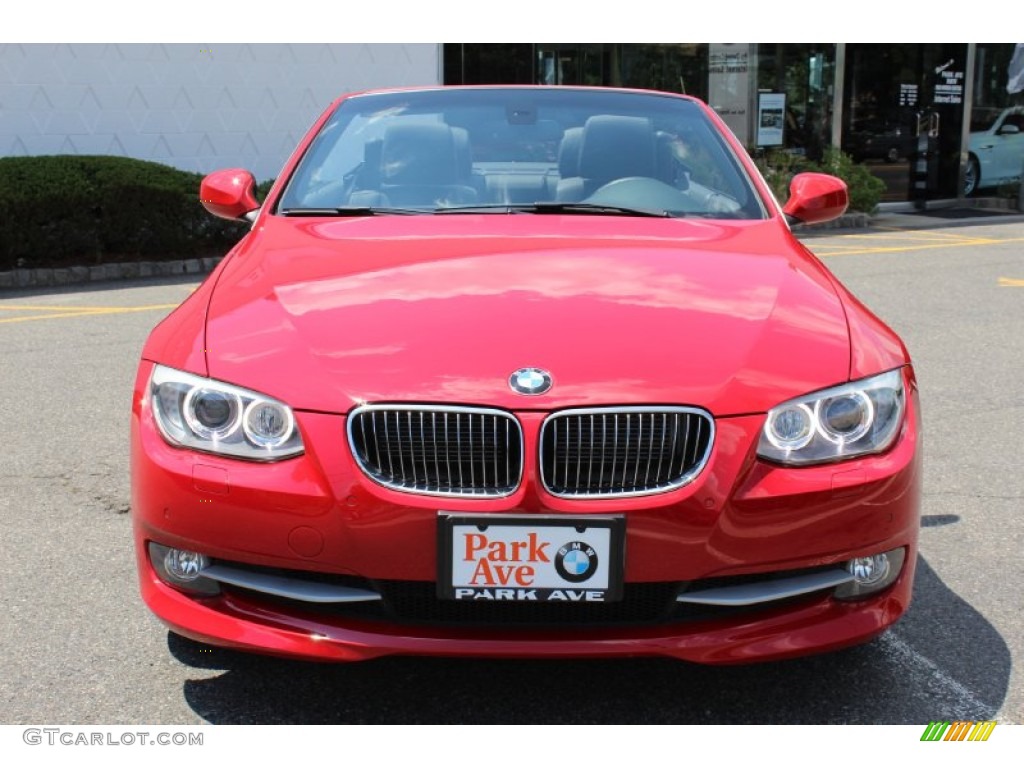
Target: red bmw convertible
x=524, y=372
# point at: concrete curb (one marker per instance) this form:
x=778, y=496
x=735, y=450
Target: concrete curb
x=903, y=221
x=133, y=270
x=130, y=270
x=846, y=221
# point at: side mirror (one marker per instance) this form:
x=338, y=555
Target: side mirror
x=1008, y=129
x=816, y=197
x=229, y=194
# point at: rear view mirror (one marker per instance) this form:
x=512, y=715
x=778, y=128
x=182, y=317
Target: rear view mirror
x=229, y=194
x=816, y=197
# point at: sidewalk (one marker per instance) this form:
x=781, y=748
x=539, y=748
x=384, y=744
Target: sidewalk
x=948, y=217
x=934, y=218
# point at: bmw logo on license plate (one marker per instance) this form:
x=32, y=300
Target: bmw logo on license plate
x=576, y=561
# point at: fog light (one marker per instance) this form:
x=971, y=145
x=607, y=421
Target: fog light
x=182, y=569
x=871, y=574
x=184, y=566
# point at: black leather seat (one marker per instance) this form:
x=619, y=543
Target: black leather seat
x=610, y=148
x=426, y=165
x=569, y=153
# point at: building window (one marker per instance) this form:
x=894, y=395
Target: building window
x=675, y=67
x=805, y=73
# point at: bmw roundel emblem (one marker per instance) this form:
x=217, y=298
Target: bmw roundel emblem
x=530, y=381
x=576, y=561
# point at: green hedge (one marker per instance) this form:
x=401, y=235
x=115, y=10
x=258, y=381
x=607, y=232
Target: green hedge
x=866, y=190
x=65, y=210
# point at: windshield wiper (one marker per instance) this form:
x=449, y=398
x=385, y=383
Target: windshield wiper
x=354, y=210
x=593, y=209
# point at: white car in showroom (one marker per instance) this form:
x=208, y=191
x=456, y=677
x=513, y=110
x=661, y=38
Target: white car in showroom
x=996, y=148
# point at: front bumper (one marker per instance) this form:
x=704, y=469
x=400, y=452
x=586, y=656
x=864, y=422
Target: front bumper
x=319, y=514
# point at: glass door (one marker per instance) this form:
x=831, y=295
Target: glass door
x=903, y=116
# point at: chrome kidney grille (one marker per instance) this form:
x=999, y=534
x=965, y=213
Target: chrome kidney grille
x=441, y=451
x=615, y=452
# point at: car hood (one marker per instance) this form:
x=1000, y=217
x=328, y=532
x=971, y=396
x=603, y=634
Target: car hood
x=329, y=314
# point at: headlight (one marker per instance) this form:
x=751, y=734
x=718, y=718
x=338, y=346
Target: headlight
x=849, y=420
x=208, y=415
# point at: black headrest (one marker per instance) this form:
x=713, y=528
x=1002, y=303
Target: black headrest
x=617, y=147
x=419, y=153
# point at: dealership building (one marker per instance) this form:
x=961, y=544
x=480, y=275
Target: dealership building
x=931, y=120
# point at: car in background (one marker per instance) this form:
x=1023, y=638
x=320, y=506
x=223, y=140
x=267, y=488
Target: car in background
x=996, y=148
x=524, y=372
x=879, y=139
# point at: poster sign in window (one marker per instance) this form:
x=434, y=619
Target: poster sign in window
x=729, y=85
x=771, y=119
x=908, y=94
x=949, y=84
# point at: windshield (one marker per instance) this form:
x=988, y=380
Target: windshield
x=510, y=150
x=985, y=118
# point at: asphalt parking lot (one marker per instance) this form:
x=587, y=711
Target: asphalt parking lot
x=80, y=648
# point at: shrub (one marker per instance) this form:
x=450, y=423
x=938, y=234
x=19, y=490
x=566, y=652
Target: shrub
x=66, y=210
x=779, y=167
x=865, y=189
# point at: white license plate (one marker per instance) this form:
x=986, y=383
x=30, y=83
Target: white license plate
x=530, y=559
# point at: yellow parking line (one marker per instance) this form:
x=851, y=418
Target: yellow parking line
x=61, y=308
x=889, y=249
x=25, y=318
x=47, y=307
x=1009, y=282
x=824, y=252
x=902, y=235
x=928, y=234
x=54, y=312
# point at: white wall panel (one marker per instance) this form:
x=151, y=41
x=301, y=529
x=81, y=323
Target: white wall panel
x=194, y=107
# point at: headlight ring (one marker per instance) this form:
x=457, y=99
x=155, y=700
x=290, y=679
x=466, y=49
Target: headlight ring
x=212, y=416
x=846, y=418
x=835, y=424
x=791, y=427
